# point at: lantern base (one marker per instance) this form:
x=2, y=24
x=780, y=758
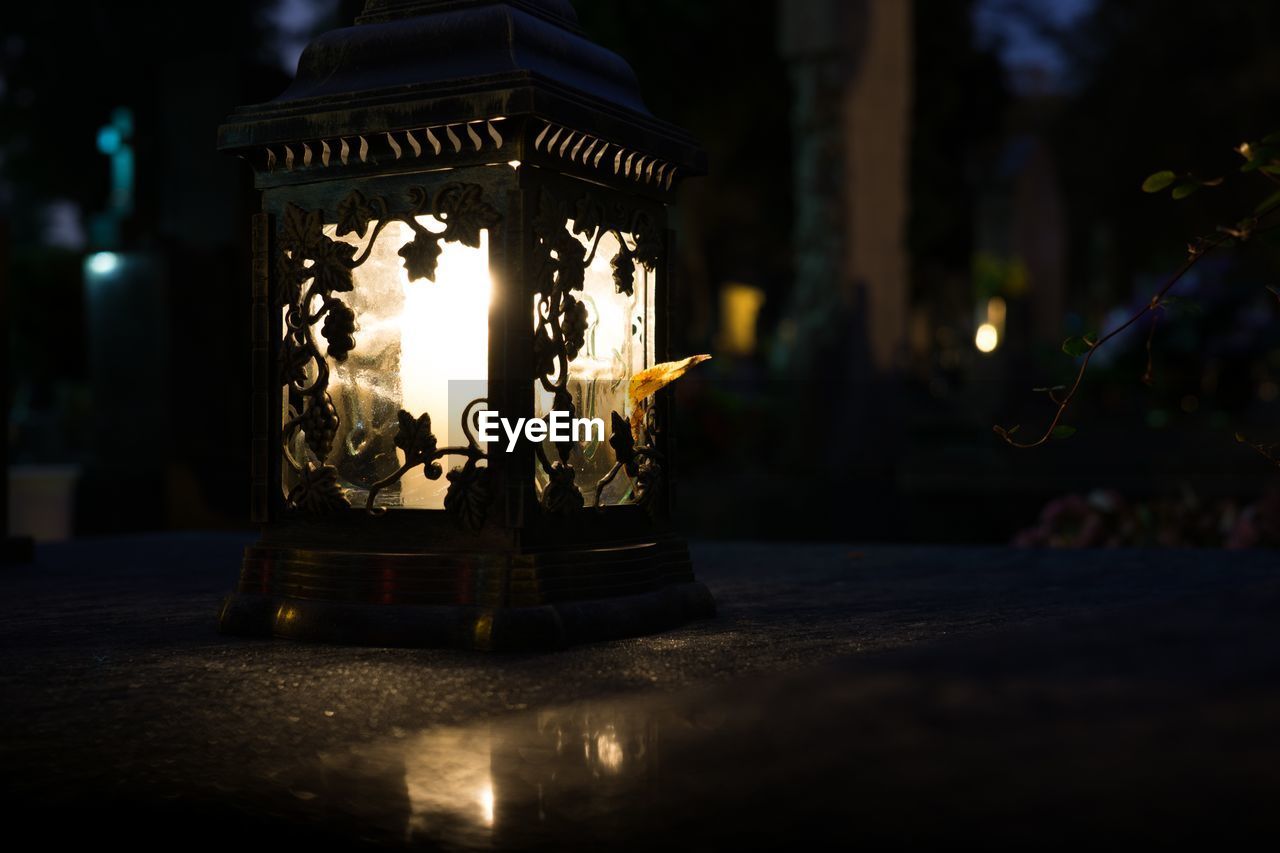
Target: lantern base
x=493, y=602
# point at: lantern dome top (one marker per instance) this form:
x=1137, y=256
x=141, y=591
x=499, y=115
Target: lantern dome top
x=459, y=67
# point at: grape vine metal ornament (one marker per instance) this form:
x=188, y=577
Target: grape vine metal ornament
x=464, y=209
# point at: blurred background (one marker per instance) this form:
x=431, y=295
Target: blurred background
x=910, y=206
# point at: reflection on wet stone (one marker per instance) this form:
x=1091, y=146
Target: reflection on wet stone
x=523, y=781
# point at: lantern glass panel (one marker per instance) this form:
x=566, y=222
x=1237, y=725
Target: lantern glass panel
x=421, y=346
x=618, y=344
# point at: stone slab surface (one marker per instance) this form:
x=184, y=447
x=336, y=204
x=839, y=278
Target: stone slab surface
x=895, y=695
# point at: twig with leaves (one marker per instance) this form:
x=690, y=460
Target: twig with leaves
x=1262, y=158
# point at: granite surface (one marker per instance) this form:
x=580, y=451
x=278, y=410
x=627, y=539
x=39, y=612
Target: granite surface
x=899, y=696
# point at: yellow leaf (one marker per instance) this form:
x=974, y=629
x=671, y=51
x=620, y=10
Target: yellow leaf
x=648, y=382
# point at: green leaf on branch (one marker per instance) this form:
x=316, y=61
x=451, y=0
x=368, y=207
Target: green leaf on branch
x=1268, y=204
x=1076, y=347
x=1258, y=155
x=1063, y=431
x=1185, y=189
x=1158, y=181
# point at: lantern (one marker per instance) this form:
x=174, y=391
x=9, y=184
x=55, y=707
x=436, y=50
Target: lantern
x=464, y=210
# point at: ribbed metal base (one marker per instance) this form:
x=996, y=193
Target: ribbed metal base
x=496, y=602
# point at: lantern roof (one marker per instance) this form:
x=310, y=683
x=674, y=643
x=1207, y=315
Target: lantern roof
x=439, y=77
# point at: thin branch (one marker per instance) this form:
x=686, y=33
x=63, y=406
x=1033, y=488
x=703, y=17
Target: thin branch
x=1064, y=402
x=1195, y=253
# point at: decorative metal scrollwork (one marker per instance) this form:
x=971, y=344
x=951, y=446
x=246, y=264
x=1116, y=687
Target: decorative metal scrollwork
x=312, y=270
x=638, y=457
x=467, y=498
x=561, y=320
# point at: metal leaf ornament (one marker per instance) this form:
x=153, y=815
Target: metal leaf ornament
x=587, y=216
x=467, y=499
x=354, y=214
x=334, y=261
x=318, y=491
x=300, y=230
x=623, y=443
x=420, y=256
x=464, y=213
x=624, y=273
x=648, y=483
x=562, y=495
x=570, y=260
x=419, y=444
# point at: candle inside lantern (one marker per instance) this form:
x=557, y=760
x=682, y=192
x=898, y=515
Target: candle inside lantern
x=421, y=346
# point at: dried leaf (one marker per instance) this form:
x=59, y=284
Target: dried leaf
x=646, y=383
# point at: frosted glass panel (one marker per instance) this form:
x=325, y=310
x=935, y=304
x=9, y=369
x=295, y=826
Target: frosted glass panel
x=618, y=344
x=415, y=341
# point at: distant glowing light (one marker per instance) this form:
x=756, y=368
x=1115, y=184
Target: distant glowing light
x=739, y=310
x=515, y=164
x=110, y=139
x=987, y=338
x=485, y=799
x=104, y=263
x=996, y=311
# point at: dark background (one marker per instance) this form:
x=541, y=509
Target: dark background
x=1028, y=128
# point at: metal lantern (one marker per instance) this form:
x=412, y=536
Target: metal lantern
x=464, y=209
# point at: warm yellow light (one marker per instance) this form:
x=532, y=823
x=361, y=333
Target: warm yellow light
x=449, y=782
x=739, y=309
x=422, y=346
x=444, y=348
x=987, y=338
x=996, y=310
x=609, y=750
x=515, y=164
x=485, y=799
